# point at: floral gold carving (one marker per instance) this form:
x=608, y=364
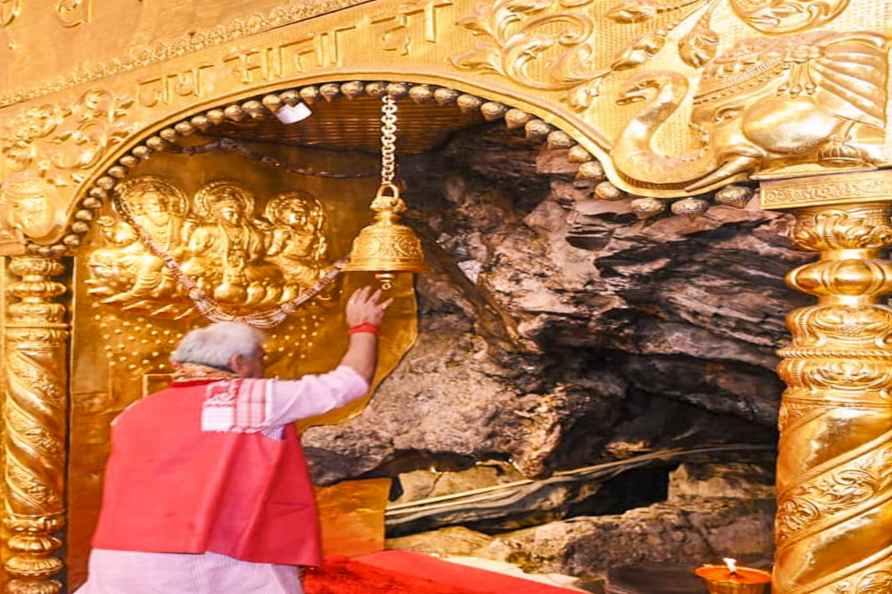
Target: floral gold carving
x=861, y=378
x=48, y=152
x=794, y=95
x=836, y=442
x=514, y=34
x=838, y=492
x=55, y=146
x=241, y=259
x=843, y=228
x=875, y=583
x=673, y=97
x=35, y=419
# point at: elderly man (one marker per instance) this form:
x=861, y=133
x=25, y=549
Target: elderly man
x=206, y=490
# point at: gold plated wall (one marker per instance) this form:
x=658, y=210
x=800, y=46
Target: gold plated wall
x=834, y=523
x=128, y=314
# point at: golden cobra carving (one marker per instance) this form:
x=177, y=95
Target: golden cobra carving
x=35, y=419
x=834, y=523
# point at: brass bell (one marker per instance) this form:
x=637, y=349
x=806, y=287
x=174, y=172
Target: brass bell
x=386, y=247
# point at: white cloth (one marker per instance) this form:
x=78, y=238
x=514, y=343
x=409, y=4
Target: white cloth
x=131, y=572
x=135, y=572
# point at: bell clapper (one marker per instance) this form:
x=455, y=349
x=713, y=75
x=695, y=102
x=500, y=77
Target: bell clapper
x=386, y=280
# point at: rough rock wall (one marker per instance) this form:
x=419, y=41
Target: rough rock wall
x=559, y=331
x=730, y=516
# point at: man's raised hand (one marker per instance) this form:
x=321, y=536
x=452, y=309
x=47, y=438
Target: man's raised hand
x=366, y=307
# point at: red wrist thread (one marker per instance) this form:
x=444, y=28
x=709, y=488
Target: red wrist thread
x=364, y=328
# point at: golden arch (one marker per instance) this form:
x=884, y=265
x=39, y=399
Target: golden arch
x=481, y=95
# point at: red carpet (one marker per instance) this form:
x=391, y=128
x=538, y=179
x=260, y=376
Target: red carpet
x=339, y=575
x=403, y=572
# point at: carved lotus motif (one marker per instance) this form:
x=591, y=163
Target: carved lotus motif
x=850, y=376
x=855, y=228
x=793, y=515
x=840, y=323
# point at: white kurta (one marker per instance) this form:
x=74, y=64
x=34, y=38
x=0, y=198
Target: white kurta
x=133, y=572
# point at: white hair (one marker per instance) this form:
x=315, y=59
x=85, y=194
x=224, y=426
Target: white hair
x=215, y=345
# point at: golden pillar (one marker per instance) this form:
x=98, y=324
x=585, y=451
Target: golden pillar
x=834, y=522
x=35, y=419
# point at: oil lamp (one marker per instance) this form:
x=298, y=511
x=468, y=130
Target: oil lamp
x=387, y=247
x=731, y=579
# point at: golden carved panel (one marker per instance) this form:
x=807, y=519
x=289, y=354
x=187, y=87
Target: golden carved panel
x=242, y=260
x=48, y=151
x=675, y=98
x=252, y=234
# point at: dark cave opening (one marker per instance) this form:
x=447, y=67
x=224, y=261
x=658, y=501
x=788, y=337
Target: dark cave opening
x=626, y=490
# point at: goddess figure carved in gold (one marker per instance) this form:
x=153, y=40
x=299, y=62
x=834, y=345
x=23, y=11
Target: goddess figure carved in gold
x=240, y=259
x=126, y=272
x=298, y=246
x=226, y=252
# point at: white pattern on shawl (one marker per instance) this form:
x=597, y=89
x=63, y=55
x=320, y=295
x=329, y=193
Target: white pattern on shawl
x=237, y=406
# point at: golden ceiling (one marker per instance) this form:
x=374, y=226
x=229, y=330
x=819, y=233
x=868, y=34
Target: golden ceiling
x=355, y=124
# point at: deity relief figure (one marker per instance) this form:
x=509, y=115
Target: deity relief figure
x=297, y=242
x=128, y=272
x=28, y=205
x=226, y=253
x=235, y=258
